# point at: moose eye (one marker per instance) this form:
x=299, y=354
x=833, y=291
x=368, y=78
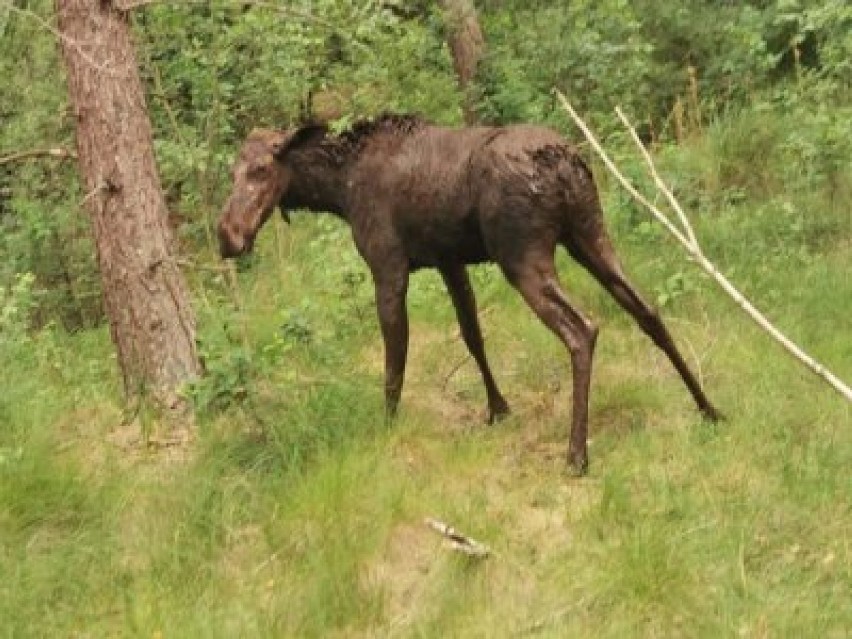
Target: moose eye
x=258, y=172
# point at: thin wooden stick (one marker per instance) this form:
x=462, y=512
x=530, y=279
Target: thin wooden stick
x=661, y=185
x=694, y=249
x=54, y=152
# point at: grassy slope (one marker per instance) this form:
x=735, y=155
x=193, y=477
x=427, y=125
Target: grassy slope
x=299, y=513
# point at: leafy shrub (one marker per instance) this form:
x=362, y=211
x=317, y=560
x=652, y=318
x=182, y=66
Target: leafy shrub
x=591, y=50
x=15, y=305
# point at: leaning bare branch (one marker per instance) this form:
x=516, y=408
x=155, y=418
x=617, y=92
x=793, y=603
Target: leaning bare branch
x=661, y=185
x=55, y=152
x=457, y=540
x=692, y=246
x=618, y=175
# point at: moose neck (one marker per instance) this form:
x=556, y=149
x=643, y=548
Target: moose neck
x=319, y=180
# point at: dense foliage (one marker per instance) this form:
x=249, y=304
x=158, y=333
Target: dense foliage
x=215, y=70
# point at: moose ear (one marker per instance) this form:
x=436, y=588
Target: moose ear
x=278, y=142
x=286, y=141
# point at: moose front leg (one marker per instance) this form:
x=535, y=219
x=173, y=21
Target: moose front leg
x=391, y=289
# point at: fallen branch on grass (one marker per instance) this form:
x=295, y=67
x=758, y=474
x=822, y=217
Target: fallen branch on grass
x=458, y=541
x=686, y=236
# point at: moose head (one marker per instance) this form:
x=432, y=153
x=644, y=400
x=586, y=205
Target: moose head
x=261, y=178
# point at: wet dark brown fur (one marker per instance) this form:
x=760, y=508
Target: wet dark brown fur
x=418, y=195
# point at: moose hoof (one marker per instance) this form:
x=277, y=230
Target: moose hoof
x=710, y=413
x=498, y=413
x=578, y=463
x=391, y=412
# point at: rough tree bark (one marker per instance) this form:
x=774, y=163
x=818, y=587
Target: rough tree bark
x=467, y=47
x=145, y=296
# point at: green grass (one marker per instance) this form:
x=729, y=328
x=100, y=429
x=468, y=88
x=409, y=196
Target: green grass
x=298, y=511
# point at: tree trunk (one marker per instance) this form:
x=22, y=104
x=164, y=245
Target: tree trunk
x=145, y=296
x=467, y=47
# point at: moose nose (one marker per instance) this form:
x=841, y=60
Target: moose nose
x=230, y=244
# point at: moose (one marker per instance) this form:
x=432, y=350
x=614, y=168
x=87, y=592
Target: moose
x=417, y=195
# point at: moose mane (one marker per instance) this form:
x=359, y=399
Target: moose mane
x=389, y=123
x=342, y=147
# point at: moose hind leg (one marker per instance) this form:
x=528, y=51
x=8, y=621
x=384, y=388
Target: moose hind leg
x=604, y=266
x=539, y=286
x=461, y=292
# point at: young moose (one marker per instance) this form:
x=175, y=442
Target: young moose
x=418, y=195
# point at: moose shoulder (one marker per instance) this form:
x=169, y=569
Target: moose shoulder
x=418, y=195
